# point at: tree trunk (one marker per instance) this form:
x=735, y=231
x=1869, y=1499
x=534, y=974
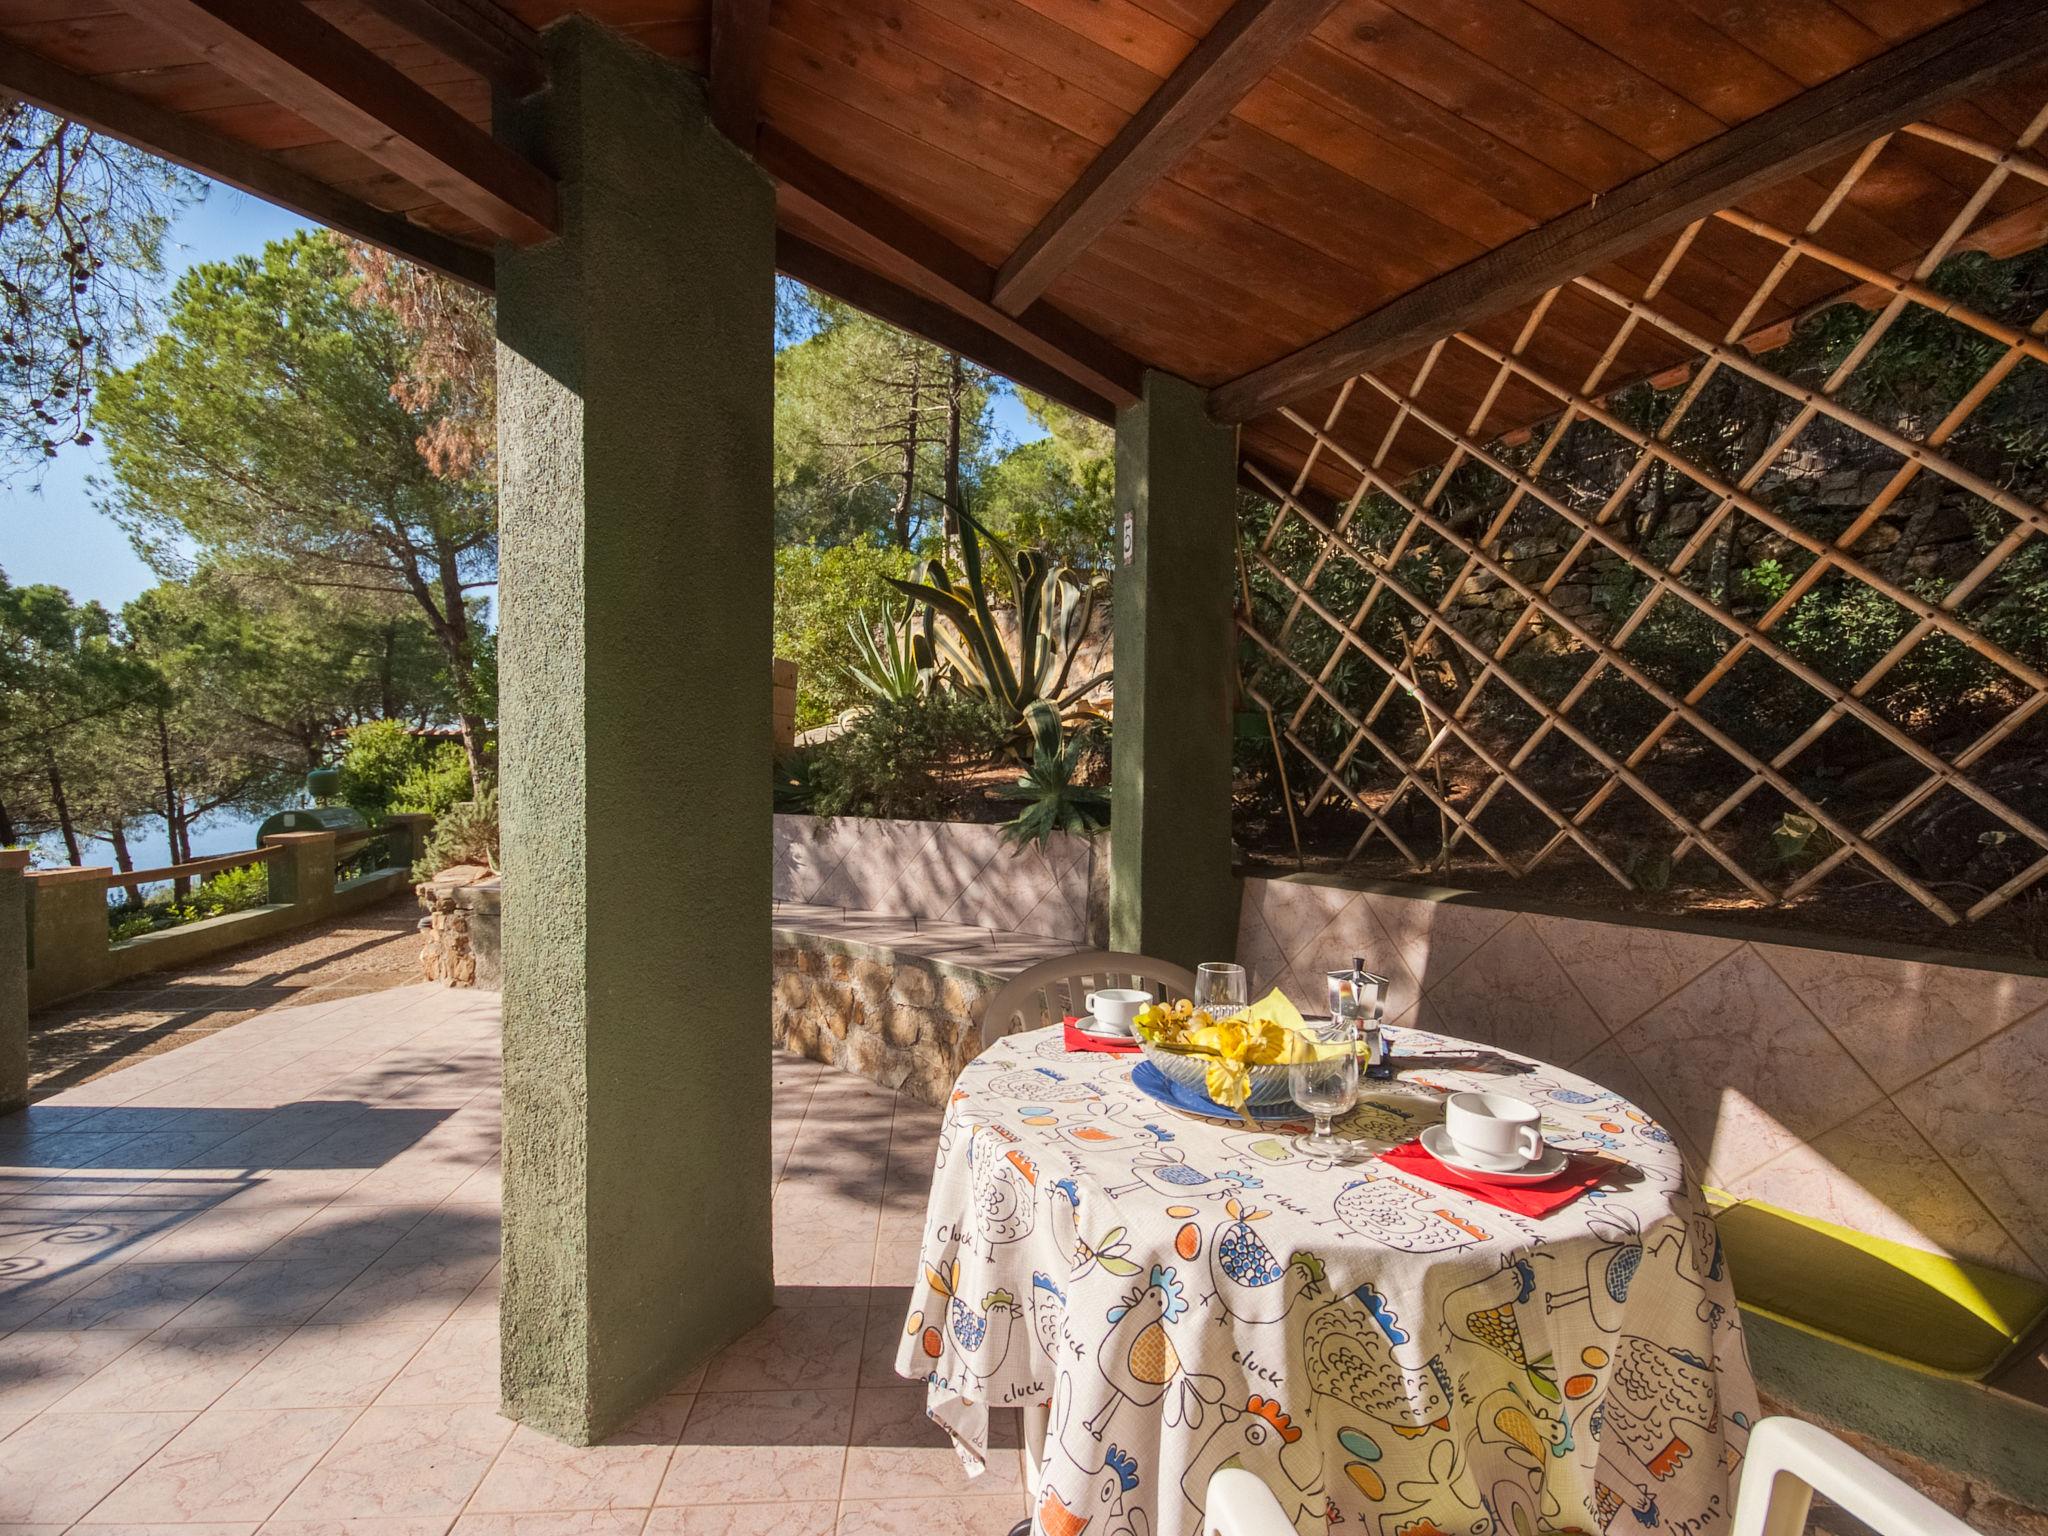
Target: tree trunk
x=174, y=807
x=956, y=387
x=118, y=836
x=387, y=700
x=63, y=809
x=7, y=835
x=453, y=628
x=906, y=493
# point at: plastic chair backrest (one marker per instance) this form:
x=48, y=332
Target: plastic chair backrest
x=1052, y=989
x=1787, y=1461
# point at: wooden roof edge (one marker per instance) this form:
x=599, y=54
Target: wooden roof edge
x=1221, y=70
x=319, y=73
x=738, y=56
x=894, y=245
x=184, y=141
x=480, y=35
x=885, y=299
x=1829, y=119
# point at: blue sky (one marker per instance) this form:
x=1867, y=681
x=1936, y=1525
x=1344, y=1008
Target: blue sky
x=51, y=533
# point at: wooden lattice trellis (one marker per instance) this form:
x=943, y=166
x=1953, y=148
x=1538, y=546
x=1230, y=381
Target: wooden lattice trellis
x=1494, y=731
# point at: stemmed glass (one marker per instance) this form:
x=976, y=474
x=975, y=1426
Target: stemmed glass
x=1221, y=989
x=1326, y=1085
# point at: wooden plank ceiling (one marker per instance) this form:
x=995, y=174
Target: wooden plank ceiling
x=1075, y=190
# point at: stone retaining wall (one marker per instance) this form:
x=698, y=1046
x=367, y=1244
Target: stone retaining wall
x=460, y=933
x=904, y=1021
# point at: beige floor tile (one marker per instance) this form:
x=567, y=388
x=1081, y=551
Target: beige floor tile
x=57, y=1467
x=271, y=1291
x=971, y=1516
x=896, y=1452
x=414, y=1290
x=174, y=1368
x=323, y=1367
x=534, y=1472
x=403, y=1461
x=41, y=1368
x=126, y=1528
x=371, y=1525
x=815, y=1518
x=746, y=1447
x=137, y=1295
x=228, y=1464
x=584, y=1522
x=458, y=1364
x=817, y=1347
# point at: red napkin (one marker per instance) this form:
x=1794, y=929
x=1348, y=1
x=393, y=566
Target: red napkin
x=1538, y=1200
x=1079, y=1039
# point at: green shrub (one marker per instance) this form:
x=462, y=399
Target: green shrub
x=895, y=758
x=818, y=592
x=386, y=768
x=1054, y=798
x=467, y=833
x=232, y=890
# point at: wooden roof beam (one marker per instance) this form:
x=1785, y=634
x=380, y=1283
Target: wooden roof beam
x=184, y=141
x=321, y=74
x=894, y=245
x=738, y=55
x=1238, y=52
x=1831, y=119
x=479, y=35
x=890, y=301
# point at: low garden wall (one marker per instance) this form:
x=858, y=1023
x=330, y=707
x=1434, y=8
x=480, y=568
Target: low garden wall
x=1892, y=1091
x=890, y=937
x=461, y=932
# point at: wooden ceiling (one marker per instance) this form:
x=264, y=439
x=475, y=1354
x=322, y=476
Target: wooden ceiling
x=1261, y=196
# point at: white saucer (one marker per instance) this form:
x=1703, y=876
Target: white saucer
x=1087, y=1026
x=1436, y=1141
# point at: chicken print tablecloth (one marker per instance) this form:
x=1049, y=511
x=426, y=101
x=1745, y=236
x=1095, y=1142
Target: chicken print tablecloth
x=1392, y=1358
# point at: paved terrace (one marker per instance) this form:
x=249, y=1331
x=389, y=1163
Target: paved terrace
x=251, y=1284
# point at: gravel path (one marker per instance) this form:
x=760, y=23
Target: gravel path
x=77, y=1040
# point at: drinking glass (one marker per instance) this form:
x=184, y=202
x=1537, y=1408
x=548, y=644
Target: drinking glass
x=1221, y=989
x=1326, y=1085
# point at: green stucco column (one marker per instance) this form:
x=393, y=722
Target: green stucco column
x=1171, y=893
x=13, y=978
x=635, y=428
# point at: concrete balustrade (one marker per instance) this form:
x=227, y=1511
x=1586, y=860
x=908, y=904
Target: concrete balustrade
x=56, y=921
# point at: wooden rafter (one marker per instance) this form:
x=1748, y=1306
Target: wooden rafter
x=937, y=323
x=321, y=74
x=1815, y=126
x=477, y=34
x=1238, y=52
x=738, y=53
x=895, y=245
x=184, y=141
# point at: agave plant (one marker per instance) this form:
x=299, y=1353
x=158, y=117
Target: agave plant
x=1053, y=802
x=1052, y=607
x=897, y=666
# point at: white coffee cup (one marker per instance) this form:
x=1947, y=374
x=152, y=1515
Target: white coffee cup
x=1114, y=1008
x=1494, y=1129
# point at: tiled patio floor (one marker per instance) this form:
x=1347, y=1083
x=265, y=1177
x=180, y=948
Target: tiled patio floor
x=250, y=1284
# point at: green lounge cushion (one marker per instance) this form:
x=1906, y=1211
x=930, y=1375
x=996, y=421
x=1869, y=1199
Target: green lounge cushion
x=1944, y=1314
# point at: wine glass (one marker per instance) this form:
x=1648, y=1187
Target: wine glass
x=1221, y=989
x=1326, y=1085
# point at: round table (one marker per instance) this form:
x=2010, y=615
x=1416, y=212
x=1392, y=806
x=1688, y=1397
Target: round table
x=1168, y=1295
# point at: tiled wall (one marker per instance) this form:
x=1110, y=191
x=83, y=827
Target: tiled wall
x=1904, y=1098
x=936, y=871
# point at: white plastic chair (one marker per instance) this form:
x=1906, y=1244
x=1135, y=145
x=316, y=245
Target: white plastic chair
x=1053, y=989
x=1787, y=1462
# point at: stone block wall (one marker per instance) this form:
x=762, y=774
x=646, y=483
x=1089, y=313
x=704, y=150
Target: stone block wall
x=459, y=936
x=1895, y=1092
x=902, y=1020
